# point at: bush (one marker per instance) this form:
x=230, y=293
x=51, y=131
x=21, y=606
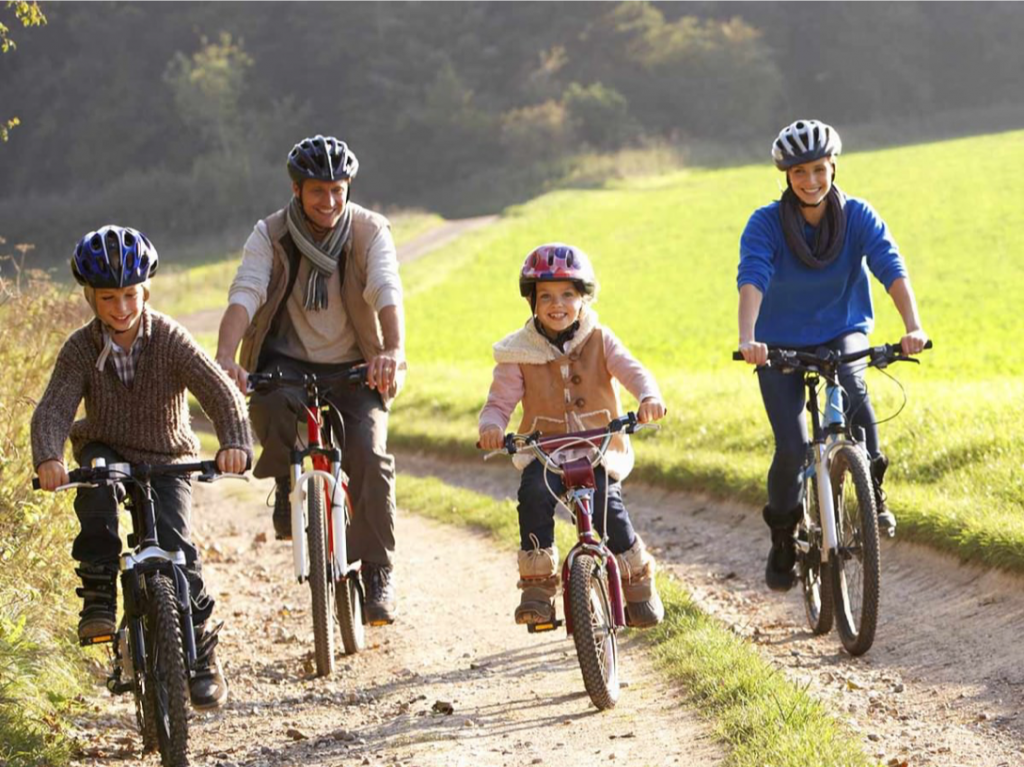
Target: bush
x=541, y=131
x=599, y=115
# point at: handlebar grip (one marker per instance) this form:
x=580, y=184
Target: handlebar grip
x=737, y=356
x=35, y=483
x=928, y=344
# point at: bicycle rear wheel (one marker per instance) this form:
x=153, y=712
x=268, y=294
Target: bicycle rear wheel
x=166, y=673
x=593, y=630
x=815, y=575
x=321, y=583
x=856, y=569
x=348, y=598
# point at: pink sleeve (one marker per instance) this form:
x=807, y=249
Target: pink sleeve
x=629, y=372
x=506, y=392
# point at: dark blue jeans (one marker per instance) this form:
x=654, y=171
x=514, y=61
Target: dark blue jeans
x=98, y=543
x=785, y=401
x=537, y=509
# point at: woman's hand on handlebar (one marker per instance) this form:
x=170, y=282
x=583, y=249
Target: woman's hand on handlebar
x=913, y=342
x=232, y=461
x=651, y=409
x=52, y=474
x=491, y=438
x=754, y=352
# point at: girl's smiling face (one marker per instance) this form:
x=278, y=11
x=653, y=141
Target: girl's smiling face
x=811, y=181
x=557, y=305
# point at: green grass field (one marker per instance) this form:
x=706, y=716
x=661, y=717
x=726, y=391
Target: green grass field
x=666, y=248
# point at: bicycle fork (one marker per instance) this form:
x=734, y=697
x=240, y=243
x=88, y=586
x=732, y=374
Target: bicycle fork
x=336, y=519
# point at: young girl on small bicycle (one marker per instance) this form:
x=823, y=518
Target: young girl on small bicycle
x=803, y=283
x=563, y=366
x=132, y=367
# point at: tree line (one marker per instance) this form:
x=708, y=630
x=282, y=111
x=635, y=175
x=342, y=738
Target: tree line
x=178, y=116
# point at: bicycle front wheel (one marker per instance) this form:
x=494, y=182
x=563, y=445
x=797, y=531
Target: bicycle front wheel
x=593, y=630
x=166, y=674
x=856, y=569
x=321, y=582
x=815, y=575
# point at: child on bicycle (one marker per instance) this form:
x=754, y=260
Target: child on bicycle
x=803, y=282
x=563, y=366
x=132, y=366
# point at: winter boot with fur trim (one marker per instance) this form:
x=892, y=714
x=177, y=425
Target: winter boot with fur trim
x=643, y=605
x=538, y=578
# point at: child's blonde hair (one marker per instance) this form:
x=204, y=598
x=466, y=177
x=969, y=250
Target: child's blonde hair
x=90, y=293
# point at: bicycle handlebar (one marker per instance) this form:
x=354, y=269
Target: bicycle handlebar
x=88, y=476
x=277, y=379
x=793, y=358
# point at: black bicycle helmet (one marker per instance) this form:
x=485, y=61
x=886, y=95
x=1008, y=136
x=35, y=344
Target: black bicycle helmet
x=114, y=257
x=323, y=158
x=805, y=141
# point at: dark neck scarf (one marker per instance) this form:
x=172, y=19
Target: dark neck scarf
x=323, y=255
x=829, y=235
x=561, y=339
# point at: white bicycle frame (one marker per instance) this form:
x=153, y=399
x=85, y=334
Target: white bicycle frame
x=297, y=497
x=823, y=453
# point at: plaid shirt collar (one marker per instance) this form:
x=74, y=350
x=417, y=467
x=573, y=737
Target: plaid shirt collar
x=125, y=362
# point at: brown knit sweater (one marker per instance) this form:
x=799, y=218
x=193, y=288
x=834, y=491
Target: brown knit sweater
x=148, y=422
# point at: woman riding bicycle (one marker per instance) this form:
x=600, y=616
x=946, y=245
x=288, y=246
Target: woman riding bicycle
x=562, y=366
x=804, y=283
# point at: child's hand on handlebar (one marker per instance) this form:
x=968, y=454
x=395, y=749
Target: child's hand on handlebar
x=232, y=461
x=651, y=409
x=52, y=474
x=491, y=438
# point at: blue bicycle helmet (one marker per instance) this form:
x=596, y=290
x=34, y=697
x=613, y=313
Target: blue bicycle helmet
x=805, y=141
x=114, y=257
x=322, y=158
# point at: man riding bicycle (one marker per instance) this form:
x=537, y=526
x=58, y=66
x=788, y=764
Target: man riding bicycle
x=318, y=291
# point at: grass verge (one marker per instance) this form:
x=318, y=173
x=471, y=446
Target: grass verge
x=764, y=718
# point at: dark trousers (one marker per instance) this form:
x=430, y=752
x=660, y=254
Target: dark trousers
x=785, y=401
x=98, y=543
x=537, y=509
x=279, y=418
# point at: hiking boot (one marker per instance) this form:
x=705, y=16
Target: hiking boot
x=207, y=688
x=282, y=509
x=636, y=570
x=886, y=519
x=99, y=601
x=780, y=572
x=379, y=586
x=538, y=579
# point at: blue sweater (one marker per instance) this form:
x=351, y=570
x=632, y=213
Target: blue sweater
x=803, y=306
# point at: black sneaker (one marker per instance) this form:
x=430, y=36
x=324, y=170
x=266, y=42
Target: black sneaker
x=886, y=519
x=207, y=689
x=780, y=572
x=379, y=586
x=282, y=509
x=99, y=602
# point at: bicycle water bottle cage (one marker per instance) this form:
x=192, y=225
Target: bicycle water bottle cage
x=578, y=473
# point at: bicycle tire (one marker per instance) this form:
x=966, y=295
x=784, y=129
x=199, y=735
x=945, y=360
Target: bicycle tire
x=166, y=672
x=593, y=631
x=815, y=574
x=348, y=600
x=321, y=584
x=145, y=713
x=856, y=571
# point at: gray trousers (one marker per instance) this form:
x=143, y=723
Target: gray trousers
x=278, y=419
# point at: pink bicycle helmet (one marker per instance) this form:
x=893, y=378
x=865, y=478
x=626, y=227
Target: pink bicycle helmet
x=557, y=261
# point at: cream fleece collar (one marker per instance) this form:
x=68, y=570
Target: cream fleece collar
x=526, y=346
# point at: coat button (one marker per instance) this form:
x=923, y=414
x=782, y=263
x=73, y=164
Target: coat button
x=576, y=379
x=580, y=401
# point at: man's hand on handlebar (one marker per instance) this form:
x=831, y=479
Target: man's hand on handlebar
x=235, y=372
x=52, y=474
x=382, y=370
x=651, y=409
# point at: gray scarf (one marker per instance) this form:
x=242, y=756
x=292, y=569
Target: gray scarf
x=829, y=235
x=323, y=256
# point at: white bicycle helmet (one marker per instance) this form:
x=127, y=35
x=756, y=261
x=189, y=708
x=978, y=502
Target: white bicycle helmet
x=805, y=141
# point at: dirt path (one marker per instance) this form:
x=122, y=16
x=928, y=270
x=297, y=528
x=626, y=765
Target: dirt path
x=517, y=699
x=208, y=320
x=944, y=683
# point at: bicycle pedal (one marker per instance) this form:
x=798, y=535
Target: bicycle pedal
x=101, y=639
x=539, y=628
x=117, y=687
x=379, y=623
